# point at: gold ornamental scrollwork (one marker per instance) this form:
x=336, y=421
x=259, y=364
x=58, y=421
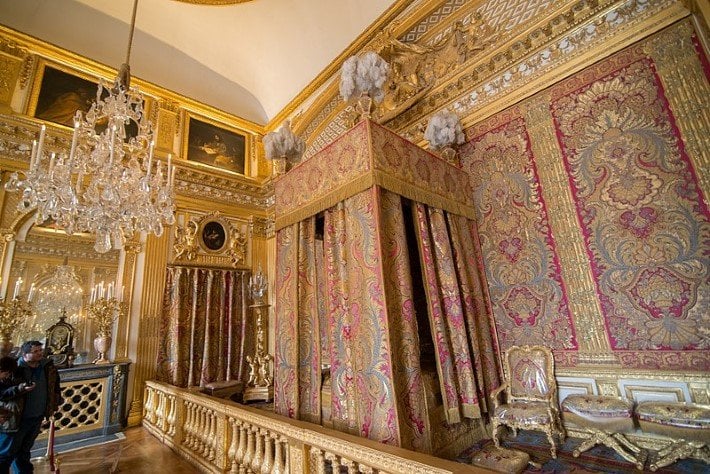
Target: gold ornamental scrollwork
x=185, y=246
x=237, y=246
x=210, y=240
x=415, y=69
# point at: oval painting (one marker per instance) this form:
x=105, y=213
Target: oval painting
x=213, y=235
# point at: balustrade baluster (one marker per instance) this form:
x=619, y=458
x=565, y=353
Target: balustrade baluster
x=148, y=407
x=351, y=465
x=202, y=449
x=160, y=412
x=250, y=447
x=187, y=427
x=317, y=461
x=232, y=451
x=212, y=435
x=279, y=467
x=195, y=428
x=334, y=463
x=258, y=451
x=242, y=450
x=172, y=413
x=268, y=462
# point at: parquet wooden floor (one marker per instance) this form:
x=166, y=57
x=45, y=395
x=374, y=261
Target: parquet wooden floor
x=139, y=453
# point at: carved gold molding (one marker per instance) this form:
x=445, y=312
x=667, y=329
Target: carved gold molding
x=149, y=313
x=190, y=248
x=688, y=93
x=589, y=324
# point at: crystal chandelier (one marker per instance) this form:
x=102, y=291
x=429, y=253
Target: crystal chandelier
x=105, y=185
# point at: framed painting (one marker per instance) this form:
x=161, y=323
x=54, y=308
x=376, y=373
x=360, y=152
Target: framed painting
x=213, y=144
x=59, y=92
x=213, y=234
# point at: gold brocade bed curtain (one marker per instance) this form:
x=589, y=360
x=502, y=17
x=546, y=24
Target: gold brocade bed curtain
x=458, y=315
x=206, y=329
x=371, y=323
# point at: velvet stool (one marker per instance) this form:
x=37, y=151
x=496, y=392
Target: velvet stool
x=688, y=425
x=606, y=419
x=501, y=459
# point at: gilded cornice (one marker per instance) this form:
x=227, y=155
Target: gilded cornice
x=568, y=41
x=534, y=55
x=98, y=70
x=233, y=190
x=17, y=133
x=327, y=74
x=42, y=245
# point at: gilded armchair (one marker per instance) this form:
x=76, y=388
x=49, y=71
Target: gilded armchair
x=530, y=395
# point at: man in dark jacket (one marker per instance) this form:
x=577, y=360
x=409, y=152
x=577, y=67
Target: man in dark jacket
x=40, y=403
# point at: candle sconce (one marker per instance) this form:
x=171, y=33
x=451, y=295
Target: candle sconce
x=13, y=314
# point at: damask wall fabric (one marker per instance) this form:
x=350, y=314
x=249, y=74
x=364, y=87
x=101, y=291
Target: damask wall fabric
x=206, y=330
x=638, y=219
x=523, y=269
x=645, y=223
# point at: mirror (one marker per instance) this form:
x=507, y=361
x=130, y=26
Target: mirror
x=58, y=273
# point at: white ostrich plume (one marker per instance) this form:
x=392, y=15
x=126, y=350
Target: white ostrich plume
x=364, y=74
x=444, y=130
x=284, y=143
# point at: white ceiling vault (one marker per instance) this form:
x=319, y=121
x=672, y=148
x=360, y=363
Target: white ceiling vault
x=249, y=59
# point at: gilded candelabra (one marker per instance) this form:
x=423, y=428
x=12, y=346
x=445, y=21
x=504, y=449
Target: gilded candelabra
x=13, y=314
x=260, y=384
x=103, y=312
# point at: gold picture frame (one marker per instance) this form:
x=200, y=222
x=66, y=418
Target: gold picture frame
x=58, y=91
x=213, y=234
x=207, y=142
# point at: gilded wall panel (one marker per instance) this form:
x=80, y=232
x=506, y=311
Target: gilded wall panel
x=530, y=301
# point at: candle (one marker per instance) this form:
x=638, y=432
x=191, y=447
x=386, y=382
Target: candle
x=40, y=145
x=113, y=138
x=30, y=295
x=109, y=292
x=150, y=159
x=73, y=142
x=18, y=285
x=33, y=155
x=92, y=298
x=51, y=164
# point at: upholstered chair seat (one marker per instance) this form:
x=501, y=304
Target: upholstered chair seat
x=530, y=395
x=688, y=425
x=524, y=413
x=605, y=418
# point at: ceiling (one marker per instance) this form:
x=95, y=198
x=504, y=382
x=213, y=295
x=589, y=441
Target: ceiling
x=249, y=59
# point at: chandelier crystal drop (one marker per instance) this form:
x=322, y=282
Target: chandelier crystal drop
x=108, y=184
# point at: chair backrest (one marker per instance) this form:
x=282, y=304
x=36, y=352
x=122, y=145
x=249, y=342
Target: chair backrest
x=531, y=373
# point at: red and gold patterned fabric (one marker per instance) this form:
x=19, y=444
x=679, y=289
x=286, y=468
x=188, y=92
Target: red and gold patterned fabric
x=370, y=155
x=501, y=459
x=376, y=387
x=206, y=327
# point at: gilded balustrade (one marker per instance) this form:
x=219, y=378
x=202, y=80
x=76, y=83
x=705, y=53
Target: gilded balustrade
x=221, y=436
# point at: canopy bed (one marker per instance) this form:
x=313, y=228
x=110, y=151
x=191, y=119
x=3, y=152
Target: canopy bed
x=364, y=227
